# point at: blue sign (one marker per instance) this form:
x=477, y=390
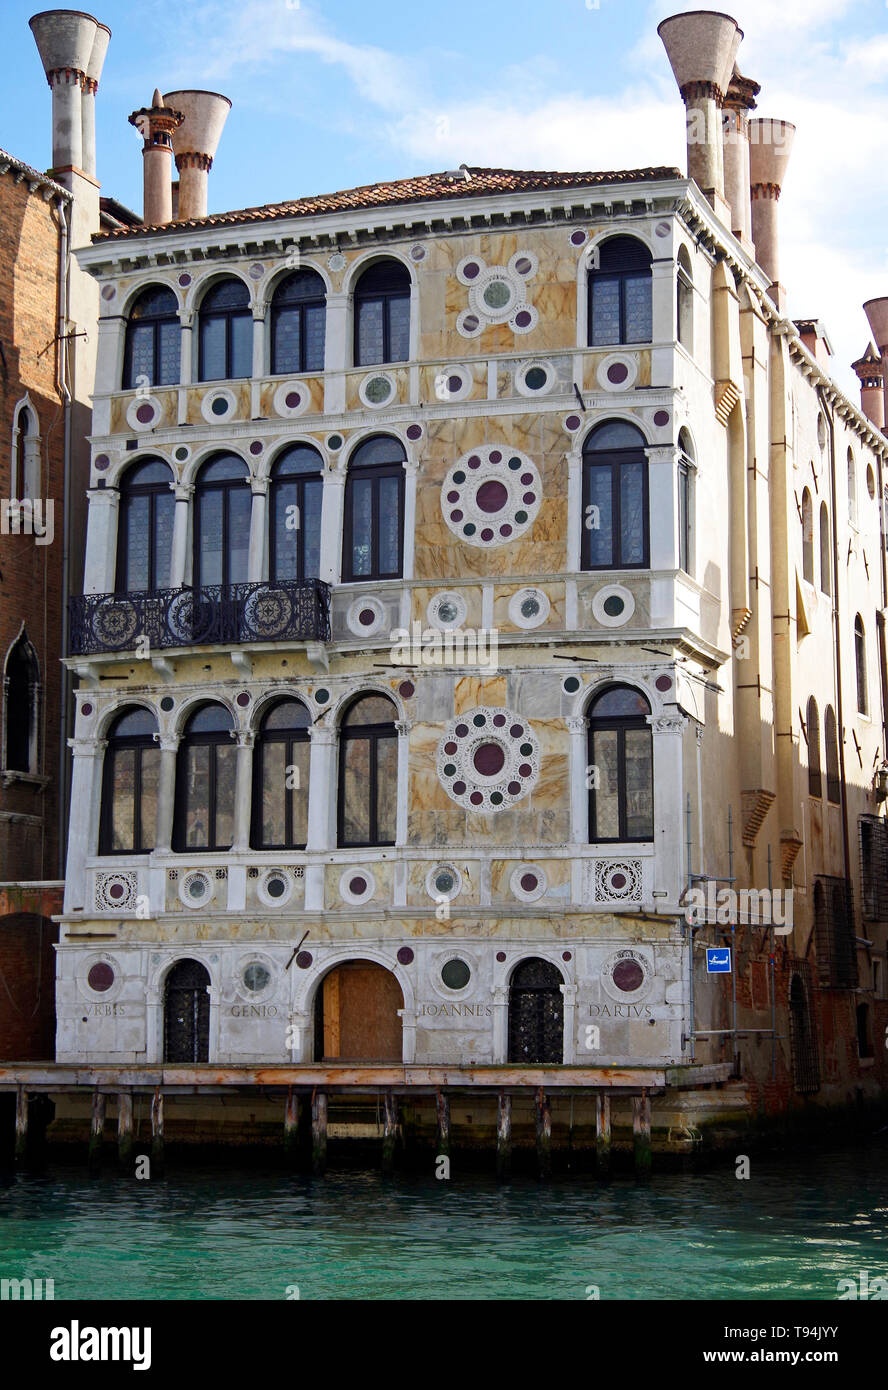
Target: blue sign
x=718, y=960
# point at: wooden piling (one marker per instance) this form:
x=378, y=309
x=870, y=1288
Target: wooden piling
x=442, y=1137
x=318, y=1133
x=41, y=1112
x=21, y=1124
x=291, y=1128
x=157, y=1154
x=503, y=1136
x=602, y=1134
x=125, y=1129
x=96, y=1132
x=544, y=1134
x=641, y=1130
x=390, y=1132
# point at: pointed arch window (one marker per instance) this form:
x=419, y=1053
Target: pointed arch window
x=812, y=725
x=225, y=321
x=368, y=773
x=297, y=488
x=860, y=665
x=24, y=479
x=807, y=537
x=373, y=533
x=684, y=307
x=298, y=323
x=686, y=471
x=615, y=498
x=620, y=300
x=621, y=805
x=222, y=509
x=21, y=708
x=153, y=335
x=145, y=527
x=825, y=584
x=280, y=778
x=831, y=749
x=131, y=776
x=382, y=314
x=205, y=781
x=852, y=488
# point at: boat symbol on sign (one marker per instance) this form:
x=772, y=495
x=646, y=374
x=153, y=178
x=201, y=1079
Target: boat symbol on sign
x=718, y=960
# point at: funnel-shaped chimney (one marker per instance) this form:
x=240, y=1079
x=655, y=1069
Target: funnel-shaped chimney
x=739, y=101
x=88, y=99
x=156, y=124
x=65, y=40
x=770, y=144
x=876, y=311
x=195, y=142
x=701, y=47
x=871, y=377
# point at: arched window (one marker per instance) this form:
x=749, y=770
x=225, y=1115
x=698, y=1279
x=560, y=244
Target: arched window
x=368, y=773
x=684, y=308
x=852, y=488
x=21, y=707
x=298, y=323
x=825, y=585
x=812, y=728
x=621, y=802
x=24, y=479
x=860, y=664
x=223, y=502
x=226, y=332
x=373, y=533
x=831, y=748
x=620, y=293
x=153, y=336
x=280, y=778
x=685, y=503
x=145, y=527
x=295, y=514
x=807, y=537
x=382, y=314
x=205, y=776
x=130, y=781
x=615, y=498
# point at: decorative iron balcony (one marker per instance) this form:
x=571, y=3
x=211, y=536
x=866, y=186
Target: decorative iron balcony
x=281, y=611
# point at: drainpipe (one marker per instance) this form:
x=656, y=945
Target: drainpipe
x=65, y=693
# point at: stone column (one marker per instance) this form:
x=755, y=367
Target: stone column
x=663, y=506
x=321, y=790
x=186, y=347
x=576, y=522
x=668, y=731
x=83, y=832
x=337, y=353
x=243, y=791
x=403, y=727
x=500, y=1002
x=101, y=541
x=569, y=994
x=260, y=309
x=331, y=526
x=257, y=563
x=410, y=471
x=180, y=570
x=166, y=793
x=578, y=725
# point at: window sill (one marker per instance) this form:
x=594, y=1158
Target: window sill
x=31, y=779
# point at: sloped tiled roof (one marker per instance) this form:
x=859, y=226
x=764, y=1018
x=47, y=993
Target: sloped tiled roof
x=30, y=175
x=423, y=188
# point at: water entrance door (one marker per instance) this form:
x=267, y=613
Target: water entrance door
x=536, y=1013
x=186, y=1014
x=356, y=1014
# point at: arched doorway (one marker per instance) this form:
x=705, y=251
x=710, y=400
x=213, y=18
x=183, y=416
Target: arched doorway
x=356, y=1014
x=186, y=1013
x=536, y=1013
x=803, y=1042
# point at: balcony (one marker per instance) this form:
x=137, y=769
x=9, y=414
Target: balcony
x=280, y=611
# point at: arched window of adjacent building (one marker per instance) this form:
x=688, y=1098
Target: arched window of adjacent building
x=145, y=527
x=684, y=308
x=152, y=351
x=825, y=585
x=621, y=802
x=807, y=537
x=373, y=532
x=852, y=488
x=860, y=665
x=295, y=514
x=368, y=773
x=24, y=480
x=812, y=731
x=615, y=498
x=620, y=303
x=831, y=749
x=298, y=323
x=222, y=507
x=382, y=314
x=205, y=780
x=280, y=778
x=685, y=503
x=131, y=776
x=21, y=707
x=225, y=327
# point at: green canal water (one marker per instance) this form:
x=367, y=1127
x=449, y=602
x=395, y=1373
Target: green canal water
x=792, y=1230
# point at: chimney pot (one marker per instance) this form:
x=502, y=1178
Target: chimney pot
x=701, y=46
x=770, y=145
x=71, y=52
x=195, y=143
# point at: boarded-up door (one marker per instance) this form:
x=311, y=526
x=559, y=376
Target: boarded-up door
x=356, y=1018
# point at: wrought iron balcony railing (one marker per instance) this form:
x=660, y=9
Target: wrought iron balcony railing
x=279, y=611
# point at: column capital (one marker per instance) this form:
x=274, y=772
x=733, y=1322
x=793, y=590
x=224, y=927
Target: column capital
x=322, y=734
x=186, y=319
x=108, y=496
x=259, y=486
x=577, y=723
x=403, y=727
x=244, y=737
x=668, y=723
x=167, y=743
x=87, y=747
x=183, y=491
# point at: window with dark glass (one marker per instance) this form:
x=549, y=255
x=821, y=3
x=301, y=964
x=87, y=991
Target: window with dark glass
x=205, y=781
x=831, y=748
x=812, y=729
x=373, y=532
x=620, y=293
x=24, y=447
x=295, y=514
x=280, y=778
x=152, y=344
x=145, y=528
x=21, y=698
x=222, y=507
x=368, y=773
x=621, y=806
x=860, y=664
x=825, y=586
x=382, y=314
x=226, y=332
x=130, y=782
x=684, y=308
x=615, y=498
x=807, y=537
x=298, y=323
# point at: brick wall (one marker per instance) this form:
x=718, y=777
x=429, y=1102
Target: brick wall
x=27, y=988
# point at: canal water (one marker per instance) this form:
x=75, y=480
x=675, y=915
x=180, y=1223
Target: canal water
x=791, y=1230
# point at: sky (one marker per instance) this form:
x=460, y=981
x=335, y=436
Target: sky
x=329, y=94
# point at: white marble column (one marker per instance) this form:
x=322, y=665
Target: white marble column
x=663, y=506
x=403, y=727
x=166, y=793
x=83, y=832
x=101, y=540
x=186, y=349
x=260, y=311
x=500, y=1024
x=180, y=569
x=575, y=519
x=332, y=504
x=257, y=563
x=243, y=791
x=578, y=725
x=321, y=789
x=410, y=479
x=569, y=994
x=337, y=353
x=669, y=796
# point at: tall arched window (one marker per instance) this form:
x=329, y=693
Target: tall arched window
x=620, y=293
x=153, y=335
x=205, y=780
x=373, y=533
x=295, y=514
x=615, y=498
x=860, y=665
x=145, y=527
x=280, y=778
x=130, y=781
x=685, y=503
x=812, y=727
x=222, y=506
x=852, y=488
x=803, y=1039
x=368, y=773
x=298, y=323
x=807, y=537
x=21, y=707
x=825, y=585
x=621, y=802
x=684, y=293
x=25, y=473
x=226, y=332
x=382, y=314
x=831, y=748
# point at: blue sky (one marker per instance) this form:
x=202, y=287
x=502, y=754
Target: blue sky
x=332, y=93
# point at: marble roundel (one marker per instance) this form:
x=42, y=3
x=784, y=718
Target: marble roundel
x=488, y=759
x=491, y=496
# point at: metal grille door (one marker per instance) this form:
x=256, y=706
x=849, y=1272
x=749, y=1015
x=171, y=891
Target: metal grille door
x=536, y=1013
x=186, y=1014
